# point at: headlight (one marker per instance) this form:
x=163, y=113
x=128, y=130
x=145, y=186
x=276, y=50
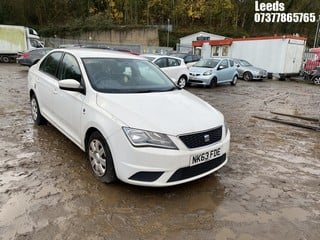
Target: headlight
x=207, y=73
x=142, y=138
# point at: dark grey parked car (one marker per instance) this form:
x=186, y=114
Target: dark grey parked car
x=189, y=59
x=315, y=76
x=31, y=57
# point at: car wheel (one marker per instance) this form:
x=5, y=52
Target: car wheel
x=213, y=82
x=100, y=158
x=316, y=80
x=5, y=59
x=182, y=82
x=234, y=80
x=247, y=76
x=35, y=111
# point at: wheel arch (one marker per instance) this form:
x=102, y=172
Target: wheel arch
x=214, y=78
x=184, y=76
x=88, y=134
x=31, y=93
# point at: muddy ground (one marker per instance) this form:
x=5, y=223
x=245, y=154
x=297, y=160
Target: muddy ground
x=269, y=189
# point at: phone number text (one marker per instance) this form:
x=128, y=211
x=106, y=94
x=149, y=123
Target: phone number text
x=274, y=17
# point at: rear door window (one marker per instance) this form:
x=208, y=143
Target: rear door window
x=51, y=63
x=70, y=68
x=172, y=62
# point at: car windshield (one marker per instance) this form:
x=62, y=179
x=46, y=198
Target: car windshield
x=113, y=75
x=244, y=63
x=207, y=63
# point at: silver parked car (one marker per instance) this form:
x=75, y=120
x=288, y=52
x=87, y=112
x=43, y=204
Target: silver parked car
x=213, y=71
x=249, y=72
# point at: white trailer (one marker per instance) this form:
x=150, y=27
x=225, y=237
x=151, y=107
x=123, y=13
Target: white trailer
x=281, y=56
x=14, y=39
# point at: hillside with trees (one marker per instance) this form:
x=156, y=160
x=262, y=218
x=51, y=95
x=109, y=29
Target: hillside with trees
x=233, y=18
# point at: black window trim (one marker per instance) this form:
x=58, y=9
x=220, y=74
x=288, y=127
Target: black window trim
x=57, y=76
x=58, y=66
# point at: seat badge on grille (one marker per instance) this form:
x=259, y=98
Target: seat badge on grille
x=206, y=138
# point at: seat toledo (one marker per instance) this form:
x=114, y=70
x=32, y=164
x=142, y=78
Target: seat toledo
x=132, y=121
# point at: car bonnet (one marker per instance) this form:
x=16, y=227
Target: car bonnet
x=174, y=113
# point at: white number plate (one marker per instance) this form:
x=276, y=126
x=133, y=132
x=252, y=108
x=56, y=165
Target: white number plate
x=205, y=156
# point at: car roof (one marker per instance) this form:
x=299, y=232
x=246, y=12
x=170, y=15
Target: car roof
x=39, y=49
x=94, y=53
x=156, y=56
x=218, y=57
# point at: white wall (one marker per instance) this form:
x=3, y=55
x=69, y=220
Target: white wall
x=270, y=54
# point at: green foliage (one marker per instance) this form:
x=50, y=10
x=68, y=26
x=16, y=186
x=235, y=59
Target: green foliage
x=233, y=18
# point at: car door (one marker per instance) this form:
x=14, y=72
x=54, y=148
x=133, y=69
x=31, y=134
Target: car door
x=174, y=68
x=224, y=71
x=47, y=85
x=169, y=66
x=69, y=104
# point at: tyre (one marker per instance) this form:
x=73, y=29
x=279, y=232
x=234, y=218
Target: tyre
x=234, y=80
x=182, y=82
x=35, y=111
x=213, y=82
x=316, y=80
x=247, y=76
x=5, y=59
x=100, y=158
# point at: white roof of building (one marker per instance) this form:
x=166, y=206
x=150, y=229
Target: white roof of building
x=204, y=34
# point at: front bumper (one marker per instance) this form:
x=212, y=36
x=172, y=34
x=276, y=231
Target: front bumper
x=156, y=167
x=200, y=79
x=260, y=75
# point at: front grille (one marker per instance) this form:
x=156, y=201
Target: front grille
x=202, y=138
x=194, y=74
x=195, y=81
x=188, y=172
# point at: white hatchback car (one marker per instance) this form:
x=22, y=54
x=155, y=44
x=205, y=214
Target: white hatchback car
x=132, y=121
x=174, y=67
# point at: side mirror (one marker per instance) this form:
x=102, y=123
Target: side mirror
x=220, y=67
x=238, y=65
x=71, y=85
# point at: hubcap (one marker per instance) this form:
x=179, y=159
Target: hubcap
x=97, y=157
x=235, y=79
x=317, y=81
x=5, y=59
x=182, y=82
x=34, y=109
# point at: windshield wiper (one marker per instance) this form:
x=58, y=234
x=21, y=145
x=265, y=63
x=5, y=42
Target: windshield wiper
x=156, y=90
